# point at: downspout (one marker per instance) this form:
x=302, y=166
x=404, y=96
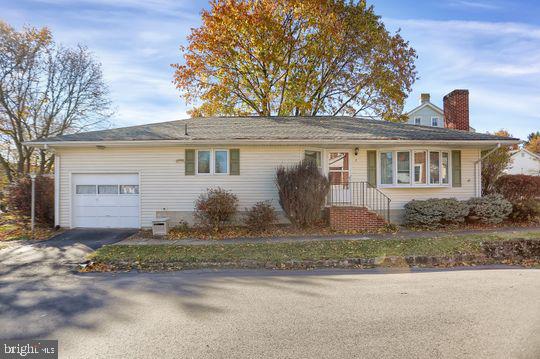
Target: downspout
x=478, y=189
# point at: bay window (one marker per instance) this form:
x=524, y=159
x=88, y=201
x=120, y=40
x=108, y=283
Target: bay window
x=420, y=167
x=404, y=167
x=434, y=167
x=387, y=171
x=444, y=168
x=414, y=168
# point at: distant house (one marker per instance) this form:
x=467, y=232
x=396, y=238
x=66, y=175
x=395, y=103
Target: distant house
x=524, y=162
x=455, y=114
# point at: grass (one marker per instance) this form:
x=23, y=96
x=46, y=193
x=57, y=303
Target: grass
x=14, y=227
x=276, y=253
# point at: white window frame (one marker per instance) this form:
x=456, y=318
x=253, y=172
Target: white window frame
x=419, y=120
x=412, y=183
x=213, y=166
x=322, y=153
x=212, y=161
x=436, y=120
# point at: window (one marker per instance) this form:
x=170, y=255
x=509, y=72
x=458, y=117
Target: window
x=338, y=167
x=221, y=161
x=403, y=167
x=434, y=121
x=203, y=162
x=387, y=168
x=129, y=189
x=107, y=189
x=416, y=168
x=417, y=121
x=444, y=168
x=314, y=156
x=420, y=165
x=85, y=189
x=434, y=167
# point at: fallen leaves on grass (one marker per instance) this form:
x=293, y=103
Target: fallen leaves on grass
x=13, y=227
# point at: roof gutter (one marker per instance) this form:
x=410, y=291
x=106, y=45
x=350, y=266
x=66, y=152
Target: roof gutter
x=335, y=142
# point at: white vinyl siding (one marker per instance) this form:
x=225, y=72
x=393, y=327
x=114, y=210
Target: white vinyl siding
x=163, y=186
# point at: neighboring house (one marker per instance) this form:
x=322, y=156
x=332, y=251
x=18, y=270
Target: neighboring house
x=426, y=114
x=524, y=162
x=456, y=107
x=126, y=177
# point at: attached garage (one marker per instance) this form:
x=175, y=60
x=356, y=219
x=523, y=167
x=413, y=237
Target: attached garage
x=105, y=200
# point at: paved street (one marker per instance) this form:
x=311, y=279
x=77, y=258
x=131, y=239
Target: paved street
x=272, y=314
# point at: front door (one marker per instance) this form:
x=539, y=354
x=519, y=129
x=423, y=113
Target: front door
x=339, y=175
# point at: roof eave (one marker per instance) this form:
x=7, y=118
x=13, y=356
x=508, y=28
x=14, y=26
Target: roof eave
x=213, y=142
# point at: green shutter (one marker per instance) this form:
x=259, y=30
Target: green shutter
x=189, y=161
x=234, y=162
x=372, y=168
x=456, y=168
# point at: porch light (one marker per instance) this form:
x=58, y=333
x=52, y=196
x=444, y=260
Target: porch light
x=356, y=150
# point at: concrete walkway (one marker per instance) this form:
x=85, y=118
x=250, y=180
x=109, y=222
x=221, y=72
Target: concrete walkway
x=403, y=234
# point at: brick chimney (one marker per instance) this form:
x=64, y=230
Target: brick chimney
x=424, y=97
x=456, y=110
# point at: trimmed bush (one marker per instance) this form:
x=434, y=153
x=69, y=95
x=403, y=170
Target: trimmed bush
x=302, y=192
x=19, y=198
x=523, y=192
x=260, y=217
x=435, y=212
x=492, y=209
x=215, y=208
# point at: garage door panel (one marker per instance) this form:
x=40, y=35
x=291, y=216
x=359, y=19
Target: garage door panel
x=106, y=222
x=96, y=210
x=107, y=211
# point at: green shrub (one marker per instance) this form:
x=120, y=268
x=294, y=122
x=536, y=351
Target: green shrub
x=522, y=191
x=493, y=208
x=215, y=208
x=260, y=217
x=435, y=212
x=302, y=192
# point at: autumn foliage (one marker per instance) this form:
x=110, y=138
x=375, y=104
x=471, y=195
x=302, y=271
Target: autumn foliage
x=19, y=197
x=294, y=57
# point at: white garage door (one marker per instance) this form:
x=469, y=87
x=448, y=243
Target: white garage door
x=105, y=200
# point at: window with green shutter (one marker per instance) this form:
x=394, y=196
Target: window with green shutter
x=189, y=162
x=234, y=159
x=456, y=168
x=372, y=168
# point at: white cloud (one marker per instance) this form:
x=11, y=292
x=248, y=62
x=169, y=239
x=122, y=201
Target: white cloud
x=475, y=4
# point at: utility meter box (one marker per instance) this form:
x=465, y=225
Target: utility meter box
x=160, y=226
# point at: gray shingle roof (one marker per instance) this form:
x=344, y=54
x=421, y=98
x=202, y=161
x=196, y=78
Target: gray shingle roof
x=276, y=128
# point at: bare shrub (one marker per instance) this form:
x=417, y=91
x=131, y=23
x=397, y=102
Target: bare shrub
x=215, y=208
x=302, y=192
x=260, y=217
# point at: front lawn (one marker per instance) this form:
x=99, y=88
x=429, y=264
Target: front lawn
x=13, y=227
x=279, y=254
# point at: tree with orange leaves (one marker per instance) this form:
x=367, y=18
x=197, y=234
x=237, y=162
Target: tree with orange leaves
x=295, y=58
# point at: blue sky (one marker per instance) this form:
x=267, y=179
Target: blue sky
x=491, y=48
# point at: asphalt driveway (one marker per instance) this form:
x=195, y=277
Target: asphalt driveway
x=58, y=254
